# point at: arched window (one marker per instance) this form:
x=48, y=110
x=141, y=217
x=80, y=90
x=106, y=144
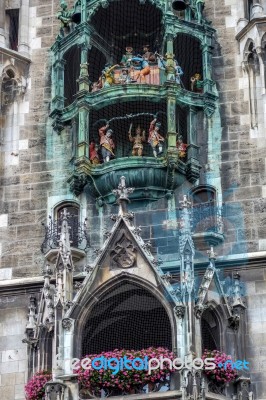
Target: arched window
x=253, y=70
x=72, y=210
x=205, y=210
x=126, y=317
x=210, y=331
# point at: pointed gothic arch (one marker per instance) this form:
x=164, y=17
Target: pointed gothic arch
x=210, y=330
x=125, y=312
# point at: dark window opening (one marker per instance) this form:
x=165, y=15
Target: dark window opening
x=128, y=23
x=205, y=211
x=71, y=75
x=189, y=56
x=127, y=317
x=210, y=332
x=13, y=17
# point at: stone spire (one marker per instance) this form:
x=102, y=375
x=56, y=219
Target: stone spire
x=122, y=193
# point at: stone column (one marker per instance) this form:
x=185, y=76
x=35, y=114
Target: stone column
x=83, y=129
x=2, y=24
x=58, y=77
x=23, y=43
x=84, y=82
x=206, y=48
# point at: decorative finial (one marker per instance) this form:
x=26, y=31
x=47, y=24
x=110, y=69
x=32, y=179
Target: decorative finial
x=122, y=193
x=211, y=254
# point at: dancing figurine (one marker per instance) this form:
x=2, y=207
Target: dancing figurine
x=108, y=75
x=138, y=139
x=124, y=77
x=155, y=139
x=181, y=147
x=93, y=152
x=106, y=143
x=148, y=55
x=125, y=60
x=142, y=66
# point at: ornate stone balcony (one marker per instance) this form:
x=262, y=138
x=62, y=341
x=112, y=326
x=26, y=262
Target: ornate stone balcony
x=207, y=224
x=77, y=235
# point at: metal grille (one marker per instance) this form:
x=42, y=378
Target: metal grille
x=128, y=317
x=77, y=233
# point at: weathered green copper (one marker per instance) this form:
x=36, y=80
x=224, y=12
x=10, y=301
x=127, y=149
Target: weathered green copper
x=161, y=176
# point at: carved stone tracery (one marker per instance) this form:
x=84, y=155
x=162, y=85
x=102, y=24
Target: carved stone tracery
x=123, y=254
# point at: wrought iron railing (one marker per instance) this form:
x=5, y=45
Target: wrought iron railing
x=78, y=236
x=207, y=218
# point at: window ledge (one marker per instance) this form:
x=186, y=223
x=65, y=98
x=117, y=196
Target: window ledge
x=250, y=25
x=15, y=54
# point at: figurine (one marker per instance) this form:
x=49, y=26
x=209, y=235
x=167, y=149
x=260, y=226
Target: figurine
x=125, y=60
x=125, y=76
x=148, y=55
x=96, y=85
x=196, y=83
x=155, y=138
x=106, y=143
x=181, y=147
x=178, y=72
x=93, y=152
x=142, y=66
x=171, y=67
x=138, y=139
x=64, y=16
x=108, y=75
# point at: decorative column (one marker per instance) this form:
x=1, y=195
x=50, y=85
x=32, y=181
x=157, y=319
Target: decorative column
x=187, y=252
x=23, y=46
x=2, y=24
x=58, y=98
x=84, y=82
x=83, y=11
x=238, y=318
x=193, y=165
x=58, y=82
x=207, y=66
x=83, y=131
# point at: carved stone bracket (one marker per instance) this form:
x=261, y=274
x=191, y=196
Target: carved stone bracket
x=180, y=311
x=55, y=391
x=67, y=324
x=234, y=322
x=199, y=309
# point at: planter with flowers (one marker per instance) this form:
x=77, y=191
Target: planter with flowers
x=220, y=376
x=35, y=388
x=105, y=382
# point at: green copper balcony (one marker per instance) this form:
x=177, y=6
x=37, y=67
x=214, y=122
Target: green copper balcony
x=152, y=178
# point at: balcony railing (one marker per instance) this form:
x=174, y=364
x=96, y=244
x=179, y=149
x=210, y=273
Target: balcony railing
x=207, y=218
x=77, y=234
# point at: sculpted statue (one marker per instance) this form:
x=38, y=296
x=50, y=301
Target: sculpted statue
x=155, y=139
x=106, y=143
x=137, y=141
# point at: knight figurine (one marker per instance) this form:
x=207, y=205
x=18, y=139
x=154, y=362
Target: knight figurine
x=155, y=139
